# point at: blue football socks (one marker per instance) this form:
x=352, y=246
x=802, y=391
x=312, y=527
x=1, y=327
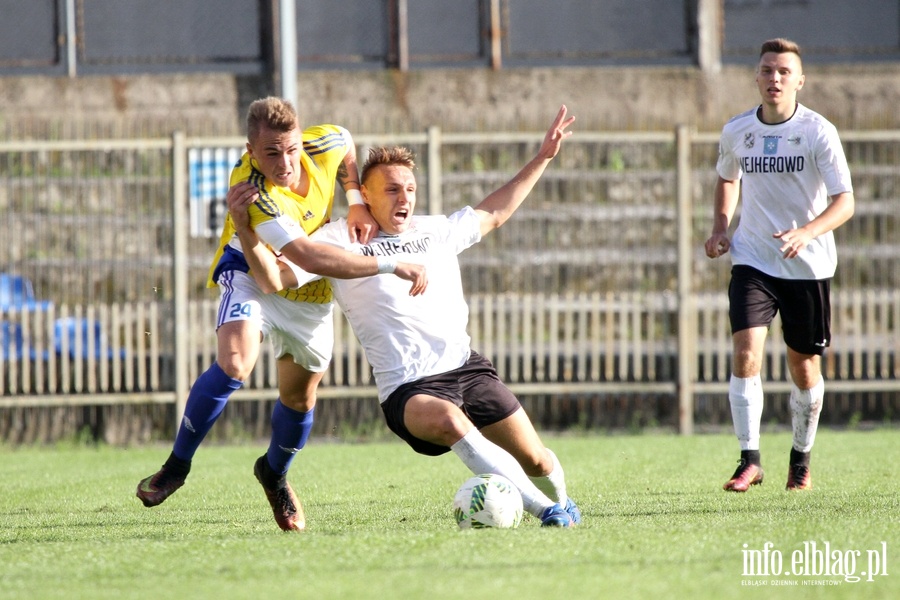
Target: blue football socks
x=290, y=430
x=205, y=403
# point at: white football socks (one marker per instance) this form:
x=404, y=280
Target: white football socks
x=481, y=456
x=746, y=397
x=553, y=483
x=806, y=406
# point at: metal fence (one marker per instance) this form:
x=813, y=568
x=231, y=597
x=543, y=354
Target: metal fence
x=596, y=291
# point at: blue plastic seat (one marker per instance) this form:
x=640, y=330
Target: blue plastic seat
x=17, y=292
x=77, y=331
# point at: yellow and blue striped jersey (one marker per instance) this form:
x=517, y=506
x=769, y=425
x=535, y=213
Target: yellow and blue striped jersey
x=324, y=148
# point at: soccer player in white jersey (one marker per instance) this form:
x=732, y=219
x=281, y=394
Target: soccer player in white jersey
x=290, y=175
x=786, y=164
x=437, y=393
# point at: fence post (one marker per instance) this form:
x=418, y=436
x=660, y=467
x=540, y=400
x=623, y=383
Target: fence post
x=180, y=262
x=71, y=40
x=435, y=197
x=710, y=31
x=687, y=330
x=287, y=51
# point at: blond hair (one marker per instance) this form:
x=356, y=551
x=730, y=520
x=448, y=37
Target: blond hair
x=779, y=46
x=272, y=113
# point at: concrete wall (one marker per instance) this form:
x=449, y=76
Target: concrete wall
x=853, y=96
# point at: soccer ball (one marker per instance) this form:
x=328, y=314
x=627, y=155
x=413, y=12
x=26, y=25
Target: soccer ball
x=488, y=500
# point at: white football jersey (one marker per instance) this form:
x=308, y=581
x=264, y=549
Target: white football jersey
x=788, y=172
x=406, y=338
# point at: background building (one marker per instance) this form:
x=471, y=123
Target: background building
x=107, y=67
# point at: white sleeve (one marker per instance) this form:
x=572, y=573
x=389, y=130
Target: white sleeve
x=279, y=232
x=465, y=228
x=345, y=135
x=727, y=166
x=832, y=162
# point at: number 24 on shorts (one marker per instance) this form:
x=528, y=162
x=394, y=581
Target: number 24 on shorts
x=240, y=309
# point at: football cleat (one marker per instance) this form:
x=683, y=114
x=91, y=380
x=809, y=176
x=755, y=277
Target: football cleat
x=745, y=475
x=155, y=489
x=798, y=478
x=556, y=516
x=574, y=511
x=285, y=506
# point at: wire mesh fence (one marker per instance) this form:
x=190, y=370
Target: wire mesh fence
x=575, y=297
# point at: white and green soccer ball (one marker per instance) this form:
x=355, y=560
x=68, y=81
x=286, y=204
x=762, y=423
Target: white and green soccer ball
x=487, y=500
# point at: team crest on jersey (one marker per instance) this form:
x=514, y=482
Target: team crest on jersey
x=749, y=140
x=794, y=139
x=771, y=145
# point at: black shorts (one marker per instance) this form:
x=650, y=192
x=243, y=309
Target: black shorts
x=804, y=304
x=475, y=388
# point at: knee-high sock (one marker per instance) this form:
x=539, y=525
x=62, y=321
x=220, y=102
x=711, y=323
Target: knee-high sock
x=806, y=406
x=290, y=430
x=205, y=403
x=483, y=456
x=746, y=398
x=553, y=483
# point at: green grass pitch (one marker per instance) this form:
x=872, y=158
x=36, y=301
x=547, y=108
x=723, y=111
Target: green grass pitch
x=656, y=525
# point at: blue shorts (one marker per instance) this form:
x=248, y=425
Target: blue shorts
x=804, y=304
x=474, y=387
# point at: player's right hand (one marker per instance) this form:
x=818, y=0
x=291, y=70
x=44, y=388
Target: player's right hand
x=239, y=198
x=717, y=245
x=414, y=273
x=361, y=225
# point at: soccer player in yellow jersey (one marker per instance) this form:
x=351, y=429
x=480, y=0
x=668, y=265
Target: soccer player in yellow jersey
x=291, y=175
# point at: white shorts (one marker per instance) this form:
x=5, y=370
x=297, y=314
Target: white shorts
x=304, y=330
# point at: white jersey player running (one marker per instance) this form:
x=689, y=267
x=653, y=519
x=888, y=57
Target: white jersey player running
x=788, y=171
x=435, y=391
x=785, y=164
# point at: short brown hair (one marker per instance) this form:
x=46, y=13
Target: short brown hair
x=779, y=46
x=272, y=113
x=383, y=156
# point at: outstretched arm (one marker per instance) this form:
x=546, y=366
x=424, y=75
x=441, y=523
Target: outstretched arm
x=499, y=206
x=318, y=259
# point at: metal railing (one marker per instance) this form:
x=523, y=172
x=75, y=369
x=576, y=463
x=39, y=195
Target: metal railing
x=597, y=286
